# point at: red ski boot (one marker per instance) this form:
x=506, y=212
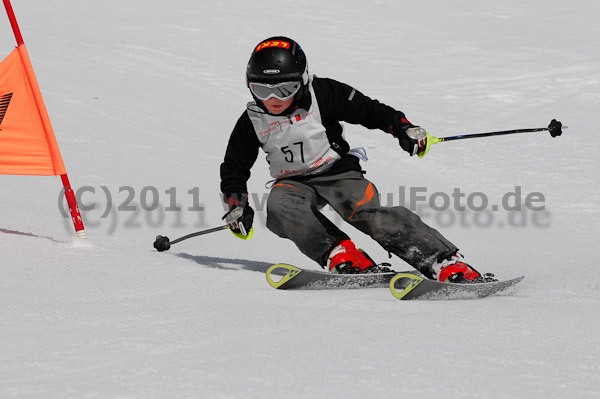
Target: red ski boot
x=344, y=258
x=454, y=270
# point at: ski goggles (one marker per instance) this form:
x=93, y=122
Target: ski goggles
x=281, y=91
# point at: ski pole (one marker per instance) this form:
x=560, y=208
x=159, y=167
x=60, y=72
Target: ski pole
x=162, y=243
x=555, y=128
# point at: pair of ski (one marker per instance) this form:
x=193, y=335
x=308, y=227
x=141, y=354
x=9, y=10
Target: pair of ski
x=404, y=285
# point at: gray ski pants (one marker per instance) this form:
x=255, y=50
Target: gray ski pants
x=293, y=213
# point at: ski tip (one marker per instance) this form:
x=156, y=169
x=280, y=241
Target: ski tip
x=275, y=272
x=516, y=279
x=403, y=283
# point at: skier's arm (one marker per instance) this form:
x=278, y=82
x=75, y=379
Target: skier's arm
x=241, y=153
x=345, y=103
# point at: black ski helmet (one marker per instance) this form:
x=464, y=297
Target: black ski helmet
x=278, y=59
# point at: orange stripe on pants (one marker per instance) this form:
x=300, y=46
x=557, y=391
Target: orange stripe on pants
x=285, y=185
x=369, y=193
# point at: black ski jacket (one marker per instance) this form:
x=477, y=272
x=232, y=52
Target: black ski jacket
x=338, y=102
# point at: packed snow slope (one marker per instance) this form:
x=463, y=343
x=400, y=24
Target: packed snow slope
x=143, y=96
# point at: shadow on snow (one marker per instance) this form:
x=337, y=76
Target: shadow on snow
x=220, y=263
x=21, y=233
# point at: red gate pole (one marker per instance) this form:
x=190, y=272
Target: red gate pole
x=69, y=195
x=73, y=208
x=13, y=22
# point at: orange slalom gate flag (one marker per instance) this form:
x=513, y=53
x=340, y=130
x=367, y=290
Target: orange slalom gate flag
x=27, y=142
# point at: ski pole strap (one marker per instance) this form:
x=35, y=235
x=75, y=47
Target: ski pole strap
x=430, y=141
x=360, y=152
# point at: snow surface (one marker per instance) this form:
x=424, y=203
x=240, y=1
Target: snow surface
x=143, y=95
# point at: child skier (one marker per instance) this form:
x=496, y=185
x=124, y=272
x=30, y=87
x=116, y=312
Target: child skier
x=295, y=118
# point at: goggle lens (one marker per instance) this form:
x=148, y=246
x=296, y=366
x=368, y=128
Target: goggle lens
x=282, y=91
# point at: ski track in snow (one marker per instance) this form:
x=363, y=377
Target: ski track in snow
x=144, y=96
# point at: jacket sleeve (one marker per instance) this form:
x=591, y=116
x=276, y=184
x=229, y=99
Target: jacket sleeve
x=341, y=102
x=241, y=153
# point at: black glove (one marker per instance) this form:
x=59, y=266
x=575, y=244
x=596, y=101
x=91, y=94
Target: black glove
x=240, y=215
x=413, y=139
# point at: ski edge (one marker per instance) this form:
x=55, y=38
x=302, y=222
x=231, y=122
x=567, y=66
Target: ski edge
x=411, y=282
x=295, y=278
